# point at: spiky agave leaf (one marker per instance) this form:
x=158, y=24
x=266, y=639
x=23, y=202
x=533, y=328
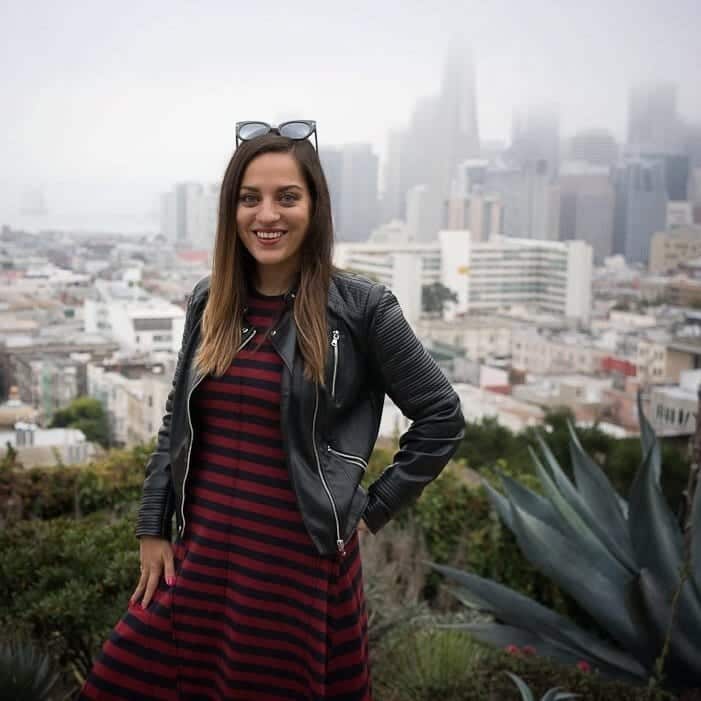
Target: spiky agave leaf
x=600, y=531
x=519, y=611
x=602, y=500
x=526, y=693
x=601, y=592
x=649, y=441
x=696, y=540
x=658, y=544
x=683, y=663
x=26, y=673
x=557, y=695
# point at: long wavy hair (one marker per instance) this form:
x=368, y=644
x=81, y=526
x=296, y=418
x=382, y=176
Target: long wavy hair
x=233, y=266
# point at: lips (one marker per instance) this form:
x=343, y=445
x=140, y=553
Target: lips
x=269, y=234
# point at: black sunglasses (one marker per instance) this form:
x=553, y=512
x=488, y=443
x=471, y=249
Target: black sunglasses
x=298, y=130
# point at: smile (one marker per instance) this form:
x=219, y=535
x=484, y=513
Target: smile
x=269, y=235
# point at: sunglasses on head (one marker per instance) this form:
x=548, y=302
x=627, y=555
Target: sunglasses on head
x=297, y=130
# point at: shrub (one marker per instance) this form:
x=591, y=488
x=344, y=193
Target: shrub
x=67, y=583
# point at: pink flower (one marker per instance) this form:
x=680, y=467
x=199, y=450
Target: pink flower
x=583, y=666
x=513, y=650
x=528, y=650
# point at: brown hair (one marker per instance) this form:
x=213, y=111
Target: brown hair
x=233, y=265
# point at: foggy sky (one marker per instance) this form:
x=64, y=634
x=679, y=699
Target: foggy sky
x=150, y=90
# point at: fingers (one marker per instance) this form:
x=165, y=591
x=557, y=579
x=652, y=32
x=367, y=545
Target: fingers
x=151, y=586
x=139, y=587
x=169, y=568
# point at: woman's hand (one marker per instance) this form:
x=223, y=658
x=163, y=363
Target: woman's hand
x=362, y=527
x=156, y=556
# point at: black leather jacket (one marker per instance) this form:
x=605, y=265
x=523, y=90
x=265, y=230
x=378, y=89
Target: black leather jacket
x=330, y=431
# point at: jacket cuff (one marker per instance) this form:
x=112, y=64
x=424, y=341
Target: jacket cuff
x=151, y=520
x=376, y=514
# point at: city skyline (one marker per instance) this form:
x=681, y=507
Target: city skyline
x=141, y=100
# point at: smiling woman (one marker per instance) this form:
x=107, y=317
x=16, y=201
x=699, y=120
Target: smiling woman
x=260, y=457
x=272, y=219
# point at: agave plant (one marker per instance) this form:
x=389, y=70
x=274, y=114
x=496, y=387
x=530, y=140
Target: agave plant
x=624, y=562
x=553, y=694
x=26, y=673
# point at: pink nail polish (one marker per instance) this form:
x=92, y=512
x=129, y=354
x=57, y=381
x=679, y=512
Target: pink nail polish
x=170, y=581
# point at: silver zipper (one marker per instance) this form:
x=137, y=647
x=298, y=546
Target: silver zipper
x=357, y=460
x=334, y=343
x=339, y=541
x=192, y=436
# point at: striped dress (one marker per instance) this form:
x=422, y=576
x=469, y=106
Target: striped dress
x=255, y=612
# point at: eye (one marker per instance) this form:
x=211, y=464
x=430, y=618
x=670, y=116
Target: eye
x=289, y=197
x=248, y=198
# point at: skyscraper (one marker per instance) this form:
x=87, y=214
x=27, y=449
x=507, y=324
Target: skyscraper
x=358, y=199
x=332, y=162
x=586, y=206
x=640, y=206
x=597, y=147
x=442, y=133
x=653, y=122
x=535, y=136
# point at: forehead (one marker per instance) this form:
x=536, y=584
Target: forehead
x=273, y=169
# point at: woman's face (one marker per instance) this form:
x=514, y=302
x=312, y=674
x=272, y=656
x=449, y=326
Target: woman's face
x=273, y=212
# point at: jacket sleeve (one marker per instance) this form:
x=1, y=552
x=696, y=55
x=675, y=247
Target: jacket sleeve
x=418, y=387
x=157, y=497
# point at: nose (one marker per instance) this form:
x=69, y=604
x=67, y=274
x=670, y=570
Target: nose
x=268, y=213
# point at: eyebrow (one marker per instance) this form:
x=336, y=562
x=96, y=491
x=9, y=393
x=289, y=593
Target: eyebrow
x=284, y=187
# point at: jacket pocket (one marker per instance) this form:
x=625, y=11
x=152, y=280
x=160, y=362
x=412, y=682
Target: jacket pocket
x=348, y=461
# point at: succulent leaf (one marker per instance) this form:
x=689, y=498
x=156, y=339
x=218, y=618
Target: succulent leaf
x=683, y=662
x=602, y=500
x=519, y=611
x=649, y=441
x=534, y=504
x=656, y=537
x=569, y=513
x=696, y=540
x=526, y=693
x=500, y=504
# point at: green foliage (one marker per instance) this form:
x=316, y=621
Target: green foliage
x=67, y=582
x=88, y=415
x=625, y=563
x=435, y=296
x=26, y=673
x=421, y=664
x=114, y=482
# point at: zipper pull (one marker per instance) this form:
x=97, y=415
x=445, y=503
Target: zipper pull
x=341, y=547
x=334, y=340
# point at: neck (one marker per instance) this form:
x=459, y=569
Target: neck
x=271, y=280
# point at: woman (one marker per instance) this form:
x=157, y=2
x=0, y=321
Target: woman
x=274, y=411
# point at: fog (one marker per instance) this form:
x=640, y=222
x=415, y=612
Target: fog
x=106, y=103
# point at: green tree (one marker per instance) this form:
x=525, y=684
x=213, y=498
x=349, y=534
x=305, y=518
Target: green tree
x=86, y=414
x=435, y=296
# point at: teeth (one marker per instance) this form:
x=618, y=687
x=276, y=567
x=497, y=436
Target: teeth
x=268, y=234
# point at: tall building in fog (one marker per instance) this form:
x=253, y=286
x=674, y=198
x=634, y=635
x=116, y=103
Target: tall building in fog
x=392, y=197
x=332, y=162
x=597, y=147
x=358, y=205
x=640, y=206
x=442, y=132
x=586, y=206
x=653, y=122
x=535, y=136
x=188, y=214
x=529, y=200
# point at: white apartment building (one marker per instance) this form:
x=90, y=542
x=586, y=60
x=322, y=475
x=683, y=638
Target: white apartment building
x=137, y=321
x=480, y=336
x=134, y=406
x=673, y=409
x=552, y=276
